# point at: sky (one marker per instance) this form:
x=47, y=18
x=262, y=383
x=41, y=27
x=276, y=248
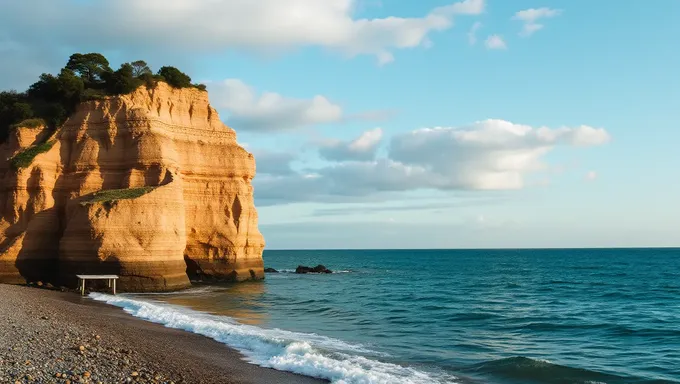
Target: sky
x=414, y=124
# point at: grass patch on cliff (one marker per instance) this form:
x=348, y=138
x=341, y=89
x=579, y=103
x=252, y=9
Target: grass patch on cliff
x=30, y=123
x=111, y=195
x=25, y=158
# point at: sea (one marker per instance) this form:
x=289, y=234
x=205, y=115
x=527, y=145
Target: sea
x=446, y=316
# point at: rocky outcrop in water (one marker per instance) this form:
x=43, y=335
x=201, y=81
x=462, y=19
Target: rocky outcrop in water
x=301, y=269
x=151, y=186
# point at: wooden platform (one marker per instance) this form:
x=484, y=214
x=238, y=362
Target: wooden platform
x=111, y=280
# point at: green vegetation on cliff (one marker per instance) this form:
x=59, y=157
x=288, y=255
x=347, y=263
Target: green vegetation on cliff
x=24, y=158
x=85, y=77
x=111, y=195
x=30, y=123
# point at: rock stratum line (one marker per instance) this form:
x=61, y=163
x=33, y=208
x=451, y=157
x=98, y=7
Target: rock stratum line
x=151, y=186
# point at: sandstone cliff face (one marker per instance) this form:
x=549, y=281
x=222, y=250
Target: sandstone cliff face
x=197, y=219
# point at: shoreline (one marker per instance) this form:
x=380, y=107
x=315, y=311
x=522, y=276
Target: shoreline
x=43, y=332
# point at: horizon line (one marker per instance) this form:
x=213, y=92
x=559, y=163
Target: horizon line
x=469, y=249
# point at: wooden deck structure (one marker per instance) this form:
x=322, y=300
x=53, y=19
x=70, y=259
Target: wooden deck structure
x=111, y=280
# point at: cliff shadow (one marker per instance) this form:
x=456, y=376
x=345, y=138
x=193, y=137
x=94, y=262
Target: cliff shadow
x=37, y=259
x=197, y=274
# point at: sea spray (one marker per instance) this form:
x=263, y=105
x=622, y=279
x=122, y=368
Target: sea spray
x=302, y=353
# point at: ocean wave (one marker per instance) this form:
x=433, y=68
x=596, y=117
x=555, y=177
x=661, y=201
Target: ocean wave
x=190, y=291
x=536, y=370
x=302, y=353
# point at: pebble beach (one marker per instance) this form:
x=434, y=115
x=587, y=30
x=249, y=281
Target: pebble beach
x=50, y=336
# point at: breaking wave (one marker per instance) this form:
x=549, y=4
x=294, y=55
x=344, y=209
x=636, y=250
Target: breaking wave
x=302, y=353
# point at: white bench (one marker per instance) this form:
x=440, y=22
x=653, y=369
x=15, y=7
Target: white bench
x=110, y=279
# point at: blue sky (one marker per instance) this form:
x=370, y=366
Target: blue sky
x=415, y=124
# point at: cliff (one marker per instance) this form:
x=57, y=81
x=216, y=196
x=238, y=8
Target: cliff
x=151, y=186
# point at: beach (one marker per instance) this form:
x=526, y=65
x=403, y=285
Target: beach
x=60, y=337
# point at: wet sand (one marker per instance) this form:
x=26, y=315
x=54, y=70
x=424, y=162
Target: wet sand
x=60, y=337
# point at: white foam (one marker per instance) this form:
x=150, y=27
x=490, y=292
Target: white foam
x=293, y=271
x=303, y=353
x=190, y=291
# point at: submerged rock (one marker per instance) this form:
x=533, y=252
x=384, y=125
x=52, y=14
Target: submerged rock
x=318, y=269
x=271, y=270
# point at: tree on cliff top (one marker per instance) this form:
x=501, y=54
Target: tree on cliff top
x=122, y=81
x=89, y=66
x=85, y=77
x=140, y=68
x=175, y=77
x=13, y=108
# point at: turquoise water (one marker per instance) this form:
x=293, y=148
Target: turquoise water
x=475, y=316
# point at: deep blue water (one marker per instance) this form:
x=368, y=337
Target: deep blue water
x=487, y=316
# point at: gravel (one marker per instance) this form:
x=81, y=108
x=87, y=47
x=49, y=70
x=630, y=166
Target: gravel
x=55, y=337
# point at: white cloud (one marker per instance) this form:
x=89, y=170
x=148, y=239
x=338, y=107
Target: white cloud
x=495, y=42
x=472, y=34
x=491, y=154
x=246, y=110
x=591, y=176
x=486, y=155
x=531, y=16
x=273, y=163
x=269, y=111
x=584, y=136
x=362, y=148
x=264, y=25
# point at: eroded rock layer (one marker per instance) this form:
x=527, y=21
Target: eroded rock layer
x=74, y=210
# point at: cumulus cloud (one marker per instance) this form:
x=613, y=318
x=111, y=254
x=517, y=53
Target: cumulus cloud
x=486, y=155
x=530, y=17
x=495, y=42
x=362, y=148
x=491, y=154
x=269, y=111
x=265, y=25
x=472, y=34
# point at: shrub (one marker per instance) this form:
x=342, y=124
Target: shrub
x=30, y=123
x=13, y=108
x=93, y=94
x=201, y=87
